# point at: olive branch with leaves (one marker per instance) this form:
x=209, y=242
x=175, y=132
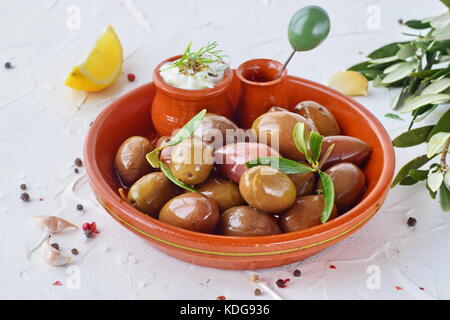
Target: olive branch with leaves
x=421, y=69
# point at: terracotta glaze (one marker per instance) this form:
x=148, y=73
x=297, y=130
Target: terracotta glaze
x=261, y=89
x=128, y=116
x=173, y=107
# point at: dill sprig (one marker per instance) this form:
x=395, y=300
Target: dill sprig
x=195, y=61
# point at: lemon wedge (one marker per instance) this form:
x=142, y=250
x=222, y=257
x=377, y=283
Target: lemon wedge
x=101, y=67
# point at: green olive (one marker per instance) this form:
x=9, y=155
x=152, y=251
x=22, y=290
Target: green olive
x=308, y=27
x=192, y=161
x=267, y=189
x=151, y=192
x=224, y=192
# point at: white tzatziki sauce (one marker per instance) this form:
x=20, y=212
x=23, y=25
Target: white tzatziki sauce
x=208, y=77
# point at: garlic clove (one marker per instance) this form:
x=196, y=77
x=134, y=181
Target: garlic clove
x=53, y=256
x=52, y=224
x=351, y=83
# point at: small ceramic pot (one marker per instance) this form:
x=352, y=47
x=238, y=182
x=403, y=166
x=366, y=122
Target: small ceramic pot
x=173, y=107
x=261, y=89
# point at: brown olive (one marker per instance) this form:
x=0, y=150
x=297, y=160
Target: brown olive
x=323, y=119
x=192, y=161
x=230, y=159
x=304, y=183
x=224, y=192
x=304, y=214
x=130, y=161
x=267, y=189
x=193, y=211
x=245, y=221
x=216, y=129
x=349, y=184
x=151, y=192
x=346, y=149
x=276, y=128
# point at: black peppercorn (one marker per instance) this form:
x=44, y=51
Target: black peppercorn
x=74, y=251
x=8, y=65
x=23, y=186
x=78, y=162
x=297, y=273
x=76, y=170
x=55, y=245
x=25, y=197
x=80, y=207
x=281, y=283
x=412, y=221
x=257, y=292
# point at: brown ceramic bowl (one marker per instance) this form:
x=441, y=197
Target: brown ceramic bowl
x=129, y=115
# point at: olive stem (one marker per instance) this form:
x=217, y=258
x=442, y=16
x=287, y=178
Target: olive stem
x=326, y=155
x=286, y=63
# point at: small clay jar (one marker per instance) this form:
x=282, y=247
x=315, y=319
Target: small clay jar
x=261, y=89
x=173, y=107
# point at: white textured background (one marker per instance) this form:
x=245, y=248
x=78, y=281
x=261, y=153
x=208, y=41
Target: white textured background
x=41, y=133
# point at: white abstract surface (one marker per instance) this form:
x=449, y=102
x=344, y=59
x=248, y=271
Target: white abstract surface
x=41, y=133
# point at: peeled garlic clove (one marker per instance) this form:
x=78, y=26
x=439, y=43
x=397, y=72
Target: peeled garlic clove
x=351, y=83
x=53, y=224
x=53, y=256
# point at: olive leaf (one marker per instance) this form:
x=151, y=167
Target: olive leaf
x=383, y=60
x=443, y=125
x=328, y=194
x=416, y=163
x=284, y=165
x=153, y=157
x=447, y=179
x=406, y=50
x=419, y=175
x=412, y=137
x=408, y=181
x=394, y=116
x=165, y=169
x=419, y=101
x=437, y=86
x=400, y=98
x=188, y=129
x=315, y=144
x=388, y=50
x=417, y=24
x=442, y=33
x=363, y=68
x=436, y=143
x=444, y=195
x=402, y=71
x=435, y=179
x=300, y=140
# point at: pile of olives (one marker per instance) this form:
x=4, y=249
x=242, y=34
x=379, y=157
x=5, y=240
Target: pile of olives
x=231, y=199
